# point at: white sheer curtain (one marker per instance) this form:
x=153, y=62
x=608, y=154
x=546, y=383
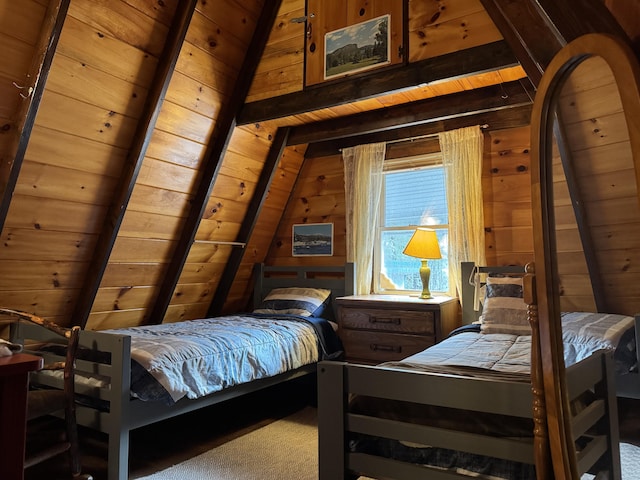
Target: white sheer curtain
x=462, y=158
x=362, y=186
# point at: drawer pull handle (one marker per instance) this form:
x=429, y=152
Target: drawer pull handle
x=394, y=321
x=385, y=348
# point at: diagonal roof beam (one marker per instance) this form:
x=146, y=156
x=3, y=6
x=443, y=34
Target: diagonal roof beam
x=249, y=222
x=135, y=157
x=25, y=118
x=578, y=204
x=214, y=156
x=460, y=64
x=537, y=29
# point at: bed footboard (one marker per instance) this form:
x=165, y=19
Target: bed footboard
x=628, y=385
x=103, y=376
x=339, y=382
x=104, y=401
x=595, y=428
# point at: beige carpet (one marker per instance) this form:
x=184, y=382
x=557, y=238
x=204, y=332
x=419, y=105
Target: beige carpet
x=285, y=449
x=288, y=450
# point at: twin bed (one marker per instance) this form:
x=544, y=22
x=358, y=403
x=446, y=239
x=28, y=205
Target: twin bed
x=132, y=377
x=465, y=406
x=545, y=406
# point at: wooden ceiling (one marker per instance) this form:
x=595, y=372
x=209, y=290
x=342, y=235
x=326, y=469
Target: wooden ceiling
x=161, y=125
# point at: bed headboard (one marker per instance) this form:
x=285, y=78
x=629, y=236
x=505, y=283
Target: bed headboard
x=468, y=269
x=339, y=279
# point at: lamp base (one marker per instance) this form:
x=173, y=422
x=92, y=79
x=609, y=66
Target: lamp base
x=425, y=275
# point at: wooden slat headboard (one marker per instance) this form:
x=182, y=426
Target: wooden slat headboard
x=339, y=279
x=468, y=269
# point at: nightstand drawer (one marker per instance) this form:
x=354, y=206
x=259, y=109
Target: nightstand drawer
x=420, y=323
x=376, y=348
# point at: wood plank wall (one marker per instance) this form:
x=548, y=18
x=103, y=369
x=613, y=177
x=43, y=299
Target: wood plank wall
x=105, y=61
x=256, y=250
x=326, y=17
x=319, y=198
x=208, y=65
x=77, y=150
x=19, y=31
x=506, y=185
x=436, y=27
x=597, y=140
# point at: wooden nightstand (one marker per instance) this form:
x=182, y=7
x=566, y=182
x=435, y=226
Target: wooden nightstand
x=379, y=328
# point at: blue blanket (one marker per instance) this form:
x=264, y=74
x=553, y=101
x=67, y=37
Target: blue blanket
x=198, y=357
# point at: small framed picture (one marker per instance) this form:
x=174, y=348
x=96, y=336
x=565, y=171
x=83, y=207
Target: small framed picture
x=312, y=239
x=356, y=48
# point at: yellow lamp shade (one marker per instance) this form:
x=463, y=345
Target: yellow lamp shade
x=423, y=244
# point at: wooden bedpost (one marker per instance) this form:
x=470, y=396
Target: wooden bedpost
x=542, y=454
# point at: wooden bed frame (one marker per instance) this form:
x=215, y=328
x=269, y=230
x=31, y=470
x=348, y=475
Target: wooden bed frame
x=627, y=386
x=339, y=381
x=124, y=413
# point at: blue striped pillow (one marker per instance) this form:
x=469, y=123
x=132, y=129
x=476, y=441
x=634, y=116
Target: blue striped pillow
x=306, y=302
x=504, y=310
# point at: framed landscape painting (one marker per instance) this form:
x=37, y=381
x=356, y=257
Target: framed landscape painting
x=357, y=48
x=312, y=239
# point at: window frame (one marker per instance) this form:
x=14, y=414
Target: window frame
x=403, y=164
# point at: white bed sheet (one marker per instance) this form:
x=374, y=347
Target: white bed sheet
x=583, y=334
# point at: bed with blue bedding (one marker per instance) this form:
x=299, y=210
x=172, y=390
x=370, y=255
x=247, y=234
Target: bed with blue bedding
x=131, y=377
x=464, y=407
x=196, y=358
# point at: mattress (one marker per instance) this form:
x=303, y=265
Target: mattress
x=469, y=352
x=583, y=333
x=195, y=358
x=198, y=357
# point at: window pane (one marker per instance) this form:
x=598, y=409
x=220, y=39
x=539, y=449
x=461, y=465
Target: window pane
x=401, y=272
x=415, y=197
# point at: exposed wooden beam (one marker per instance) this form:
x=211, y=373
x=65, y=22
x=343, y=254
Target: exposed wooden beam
x=494, y=120
x=578, y=204
x=537, y=29
x=495, y=97
x=32, y=88
x=248, y=223
x=578, y=17
x=454, y=65
x=135, y=157
x=225, y=123
x=412, y=147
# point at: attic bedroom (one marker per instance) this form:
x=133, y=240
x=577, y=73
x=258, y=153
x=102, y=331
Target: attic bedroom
x=167, y=161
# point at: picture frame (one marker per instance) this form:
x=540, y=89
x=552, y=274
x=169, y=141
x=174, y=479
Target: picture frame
x=312, y=239
x=356, y=48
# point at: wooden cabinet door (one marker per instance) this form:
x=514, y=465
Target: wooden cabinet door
x=353, y=31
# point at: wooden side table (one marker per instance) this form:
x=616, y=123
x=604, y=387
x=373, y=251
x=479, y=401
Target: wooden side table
x=14, y=384
x=379, y=328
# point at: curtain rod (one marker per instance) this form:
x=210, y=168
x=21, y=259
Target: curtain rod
x=421, y=137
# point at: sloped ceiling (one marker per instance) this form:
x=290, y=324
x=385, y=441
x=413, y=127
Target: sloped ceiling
x=144, y=174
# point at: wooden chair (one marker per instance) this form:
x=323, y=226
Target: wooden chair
x=46, y=440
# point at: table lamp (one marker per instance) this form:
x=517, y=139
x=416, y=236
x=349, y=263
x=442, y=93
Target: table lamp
x=424, y=245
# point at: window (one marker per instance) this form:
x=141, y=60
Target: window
x=412, y=197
